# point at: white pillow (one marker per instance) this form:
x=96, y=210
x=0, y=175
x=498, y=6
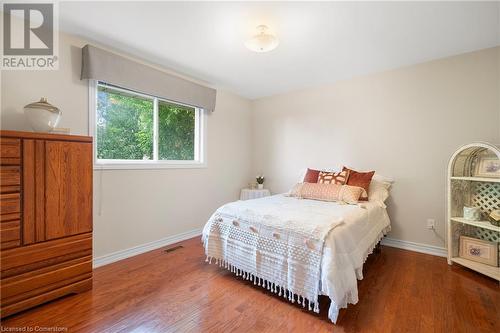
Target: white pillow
x=379, y=188
x=302, y=175
x=383, y=179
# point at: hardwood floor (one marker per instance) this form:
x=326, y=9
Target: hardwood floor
x=178, y=292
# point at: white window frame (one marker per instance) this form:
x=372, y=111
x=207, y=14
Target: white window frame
x=200, y=139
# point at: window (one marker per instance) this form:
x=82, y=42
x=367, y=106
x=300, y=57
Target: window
x=134, y=130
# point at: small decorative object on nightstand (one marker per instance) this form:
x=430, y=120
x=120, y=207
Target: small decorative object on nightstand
x=247, y=193
x=260, y=181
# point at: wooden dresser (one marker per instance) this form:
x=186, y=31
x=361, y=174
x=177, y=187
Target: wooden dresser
x=45, y=218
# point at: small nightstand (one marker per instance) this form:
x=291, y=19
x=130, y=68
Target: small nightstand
x=248, y=193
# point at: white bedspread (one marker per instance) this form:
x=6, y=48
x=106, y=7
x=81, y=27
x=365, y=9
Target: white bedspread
x=346, y=246
x=346, y=250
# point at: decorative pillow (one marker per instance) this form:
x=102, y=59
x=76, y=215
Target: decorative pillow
x=327, y=192
x=379, y=191
x=311, y=176
x=350, y=194
x=339, y=178
x=295, y=191
x=360, y=179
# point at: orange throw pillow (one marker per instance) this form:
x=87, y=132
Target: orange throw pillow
x=339, y=178
x=360, y=179
x=311, y=176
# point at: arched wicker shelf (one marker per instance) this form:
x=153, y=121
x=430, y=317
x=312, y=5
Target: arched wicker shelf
x=473, y=181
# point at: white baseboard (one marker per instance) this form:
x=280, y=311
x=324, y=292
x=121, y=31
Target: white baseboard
x=416, y=247
x=133, y=251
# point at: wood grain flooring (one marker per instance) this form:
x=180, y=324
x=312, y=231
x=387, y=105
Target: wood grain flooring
x=178, y=292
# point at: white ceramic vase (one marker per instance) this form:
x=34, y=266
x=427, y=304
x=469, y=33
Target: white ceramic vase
x=42, y=115
x=260, y=186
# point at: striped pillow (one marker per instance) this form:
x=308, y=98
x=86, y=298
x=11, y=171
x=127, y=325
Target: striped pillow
x=339, y=178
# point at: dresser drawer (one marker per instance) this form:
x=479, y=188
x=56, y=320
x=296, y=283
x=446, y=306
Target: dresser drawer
x=33, y=283
x=10, y=151
x=10, y=217
x=32, y=257
x=10, y=179
x=10, y=234
x=28, y=272
x=10, y=203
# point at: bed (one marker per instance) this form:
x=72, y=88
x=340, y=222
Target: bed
x=297, y=248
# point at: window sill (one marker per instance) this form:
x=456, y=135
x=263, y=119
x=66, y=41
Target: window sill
x=147, y=166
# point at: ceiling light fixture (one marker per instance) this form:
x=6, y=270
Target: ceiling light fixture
x=263, y=41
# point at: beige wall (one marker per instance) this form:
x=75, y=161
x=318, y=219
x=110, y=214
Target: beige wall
x=133, y=207
x=404, y=124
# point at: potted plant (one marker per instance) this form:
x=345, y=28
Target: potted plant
x=260, y=182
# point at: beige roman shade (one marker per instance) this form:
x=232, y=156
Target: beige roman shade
x=102, y=65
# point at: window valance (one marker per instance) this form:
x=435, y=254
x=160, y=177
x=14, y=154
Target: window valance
x=102, y=65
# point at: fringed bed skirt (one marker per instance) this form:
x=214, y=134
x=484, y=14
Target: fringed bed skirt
x=271, y=286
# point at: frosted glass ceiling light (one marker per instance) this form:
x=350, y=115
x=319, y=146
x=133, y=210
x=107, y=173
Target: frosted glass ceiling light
x=263, y=41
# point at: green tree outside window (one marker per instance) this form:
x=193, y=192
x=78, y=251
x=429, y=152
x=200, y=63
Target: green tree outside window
x=125, y=127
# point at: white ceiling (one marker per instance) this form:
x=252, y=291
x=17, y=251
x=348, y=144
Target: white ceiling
x=320, y=42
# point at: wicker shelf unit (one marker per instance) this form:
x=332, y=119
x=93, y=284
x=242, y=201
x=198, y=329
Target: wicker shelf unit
x=467, y=188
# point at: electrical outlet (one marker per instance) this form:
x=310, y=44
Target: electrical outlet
x=431, y=224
